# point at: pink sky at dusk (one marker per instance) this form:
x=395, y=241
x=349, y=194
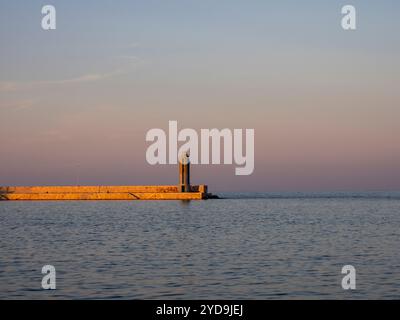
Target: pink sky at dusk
x=324, y=103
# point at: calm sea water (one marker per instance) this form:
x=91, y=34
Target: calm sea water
x=247, y=246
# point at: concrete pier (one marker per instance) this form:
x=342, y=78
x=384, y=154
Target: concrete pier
x=102, y=193
x=182, y=191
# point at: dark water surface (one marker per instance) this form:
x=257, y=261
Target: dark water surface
x=248, y=246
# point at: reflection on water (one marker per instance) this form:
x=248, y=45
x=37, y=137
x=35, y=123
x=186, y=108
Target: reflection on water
x=249, y=246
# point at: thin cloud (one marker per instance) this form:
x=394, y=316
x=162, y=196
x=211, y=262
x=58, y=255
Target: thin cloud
x=7, y=86
x=131, y=62
x=18, y=105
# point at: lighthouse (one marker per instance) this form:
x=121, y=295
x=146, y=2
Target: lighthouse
x=184, y=173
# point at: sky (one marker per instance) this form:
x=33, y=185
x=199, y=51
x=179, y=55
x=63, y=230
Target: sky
x=76, y=102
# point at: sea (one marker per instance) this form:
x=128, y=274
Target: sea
x=243, y=246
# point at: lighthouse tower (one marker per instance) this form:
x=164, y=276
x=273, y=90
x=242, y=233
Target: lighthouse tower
x=184, y=173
